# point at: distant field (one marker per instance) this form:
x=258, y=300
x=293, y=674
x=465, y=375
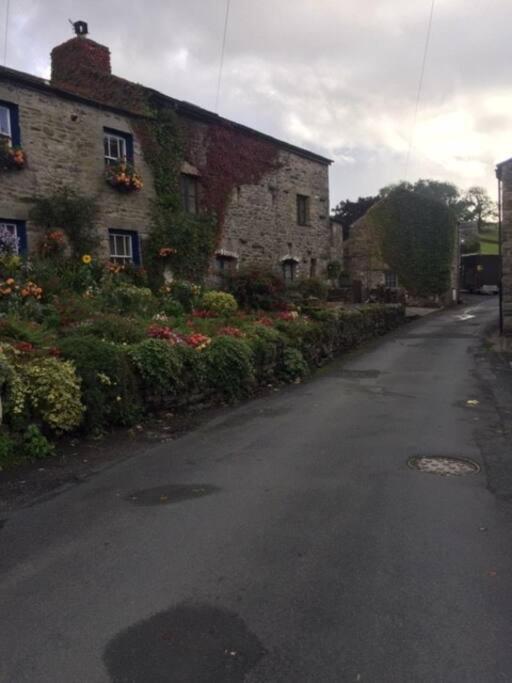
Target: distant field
x=489, y=241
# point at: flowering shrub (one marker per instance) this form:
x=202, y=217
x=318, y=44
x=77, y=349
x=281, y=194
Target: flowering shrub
x=220, y=303
x=197, y=341
x=230, y=332
x=52, y=244
x=12, y=157
x=13, y=295
x=165, y=252
x=288, y=316
x=267, y=322
x=8, y=242
x=43, y=388
x=163, y=332
x=122, y=177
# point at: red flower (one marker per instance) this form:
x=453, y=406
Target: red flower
x=54, y=351
x=24, y=347
x=163, y=332
x=197, y=340
x=230, y=332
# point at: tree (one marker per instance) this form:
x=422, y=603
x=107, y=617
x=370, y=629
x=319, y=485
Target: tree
x=416, y=235
x=348, y=212
x=479, y=206
x=446, y=193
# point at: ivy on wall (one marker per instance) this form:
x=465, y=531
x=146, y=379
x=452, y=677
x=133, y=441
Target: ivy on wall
x=226, y=157
x=416, y=236
x=190, y=236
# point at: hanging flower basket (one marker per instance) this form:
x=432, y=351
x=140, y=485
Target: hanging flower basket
x=12, y=158
x=122, y=177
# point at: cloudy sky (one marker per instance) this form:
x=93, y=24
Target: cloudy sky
x=337, y=76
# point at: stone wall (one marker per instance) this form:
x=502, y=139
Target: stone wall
x=505, y=173
x=63, y=140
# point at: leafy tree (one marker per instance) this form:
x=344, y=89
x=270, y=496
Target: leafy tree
x=479, y=206
x=348, y=212
x=446, y=193
x=416, y=235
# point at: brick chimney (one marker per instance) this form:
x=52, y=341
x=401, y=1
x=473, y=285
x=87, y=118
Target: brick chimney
x=79, y=57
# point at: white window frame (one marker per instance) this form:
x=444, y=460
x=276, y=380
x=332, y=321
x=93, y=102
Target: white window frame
x=14, y=227
x=116, y=257
x=7, y=133
x=107, y=140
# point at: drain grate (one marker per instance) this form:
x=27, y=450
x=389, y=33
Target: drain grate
x=446, y=466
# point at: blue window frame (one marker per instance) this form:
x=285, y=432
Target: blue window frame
x=117, y=146
x=19, y=229
x=10, y=122
x=124, y=247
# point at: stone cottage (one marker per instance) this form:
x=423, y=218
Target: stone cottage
x=368, y=271
x=504, y=175
x=271, y=198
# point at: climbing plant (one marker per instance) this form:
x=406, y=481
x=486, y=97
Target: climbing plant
x=71, y=212
x=183, y=241
x=416, y=237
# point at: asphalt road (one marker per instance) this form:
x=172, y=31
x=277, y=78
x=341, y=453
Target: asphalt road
x=287, y=539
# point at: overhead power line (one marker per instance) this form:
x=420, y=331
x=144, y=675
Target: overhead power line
x=222, y=52
x=420, y=87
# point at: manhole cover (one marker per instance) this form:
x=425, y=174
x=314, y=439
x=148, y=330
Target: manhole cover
x=445, y=466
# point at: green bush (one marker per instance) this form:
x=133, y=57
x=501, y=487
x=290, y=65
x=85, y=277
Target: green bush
x=113, y=327
x=292, y=365
x=109, y=385
x=159, y=365
x=266, y=344
x=313, y=287
x=14, y=329
x=221, y=303
x=257, y=289
x=35, y=445
x=186, y=294
x=9, y=451
x=229, y=366
x=51, y=392
x=126, y=299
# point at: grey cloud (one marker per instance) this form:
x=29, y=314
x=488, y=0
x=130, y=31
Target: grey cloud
x=339, y=77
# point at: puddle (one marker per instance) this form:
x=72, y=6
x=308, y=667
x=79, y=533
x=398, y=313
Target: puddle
x=190, y=642
x=170, y=493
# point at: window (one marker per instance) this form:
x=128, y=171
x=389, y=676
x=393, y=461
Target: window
x=9, y=123
x=5, y=122
x=302, y=209
x=18, y=229
x=312, y=267
x=124, y=247
x=390, y=280
x=189, y=193
x=117, y=147
x=225, y=264
x=289, y=270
